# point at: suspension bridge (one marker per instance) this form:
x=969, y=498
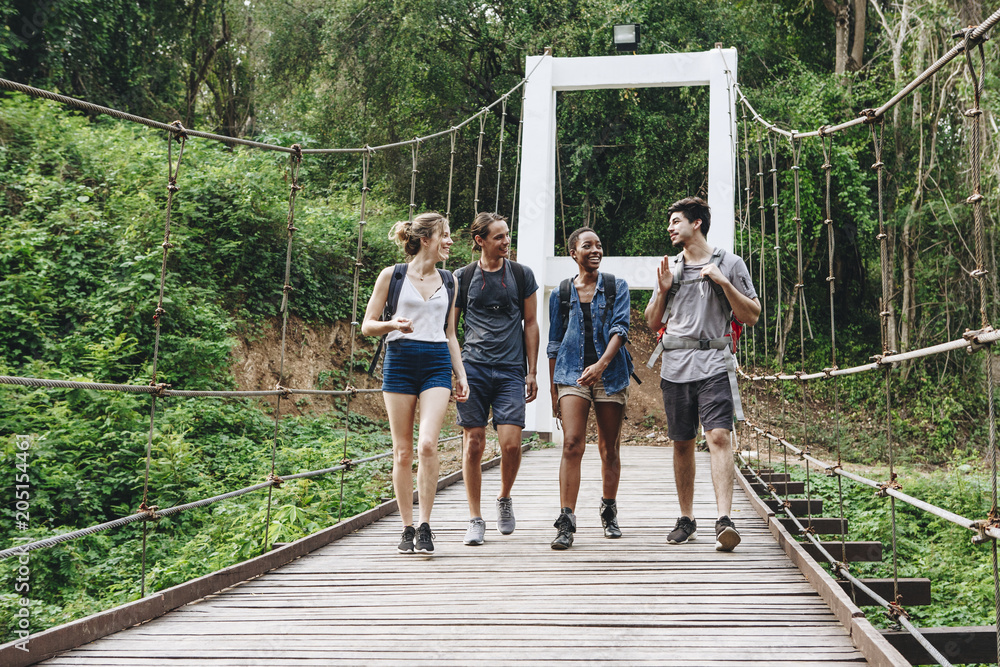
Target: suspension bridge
x=785, y=596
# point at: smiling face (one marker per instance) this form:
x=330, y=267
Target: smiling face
x=439, y=244
x=587, y=251
x=681, y=229
x=496, y=243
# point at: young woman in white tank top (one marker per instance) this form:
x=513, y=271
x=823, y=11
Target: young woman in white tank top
x=421, y=354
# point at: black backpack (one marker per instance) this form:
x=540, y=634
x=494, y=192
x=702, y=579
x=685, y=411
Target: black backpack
x=465, y=282
x=392, y=300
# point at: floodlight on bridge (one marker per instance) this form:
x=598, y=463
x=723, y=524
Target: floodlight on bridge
x=626, y=36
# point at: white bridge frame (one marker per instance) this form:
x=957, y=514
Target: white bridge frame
x=537, y=214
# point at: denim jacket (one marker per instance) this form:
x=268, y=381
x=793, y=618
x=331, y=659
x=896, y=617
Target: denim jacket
x=566, y=346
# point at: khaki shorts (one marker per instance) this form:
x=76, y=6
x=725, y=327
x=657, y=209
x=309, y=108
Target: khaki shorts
x=594, y=394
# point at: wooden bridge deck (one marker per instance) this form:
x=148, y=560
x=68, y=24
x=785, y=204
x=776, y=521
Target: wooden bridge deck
x=635, y=601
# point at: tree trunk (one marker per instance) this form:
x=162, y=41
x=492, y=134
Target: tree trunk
x=858, y=45
x=842, y=20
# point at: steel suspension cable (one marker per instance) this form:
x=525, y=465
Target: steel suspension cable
x=365, y=165
x=294, y=161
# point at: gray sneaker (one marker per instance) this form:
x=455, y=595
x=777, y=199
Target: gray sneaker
x=476, y=533
x=505, y=516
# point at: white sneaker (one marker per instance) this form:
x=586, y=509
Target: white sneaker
x=476, y=534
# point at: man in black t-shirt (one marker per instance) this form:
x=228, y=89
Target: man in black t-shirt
x=500, y=355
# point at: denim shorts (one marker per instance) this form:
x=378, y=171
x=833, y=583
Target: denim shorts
x=412, y=366
x=710, y=400
x=501, y=387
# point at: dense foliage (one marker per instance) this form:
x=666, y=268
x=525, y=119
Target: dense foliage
x=82, y=210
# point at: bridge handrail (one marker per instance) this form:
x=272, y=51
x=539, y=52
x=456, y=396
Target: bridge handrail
x=841, y=570
x=973, y=342
x=982, y=528
x=149, y=513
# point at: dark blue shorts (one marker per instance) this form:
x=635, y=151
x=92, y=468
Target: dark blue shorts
x=501, y=387
x=412, y=366
x=709, y=400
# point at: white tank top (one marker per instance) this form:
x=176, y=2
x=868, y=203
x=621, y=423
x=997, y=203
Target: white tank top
x=427, y=316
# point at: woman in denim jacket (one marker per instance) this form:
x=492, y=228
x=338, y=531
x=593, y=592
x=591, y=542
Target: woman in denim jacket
x=588, y=364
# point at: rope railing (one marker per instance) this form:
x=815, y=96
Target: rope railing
x=839, y=567
x=979, y=527
x=161, y=389
x=976, y=341
x=177, y=129
x=970, y=37
x=155, y=513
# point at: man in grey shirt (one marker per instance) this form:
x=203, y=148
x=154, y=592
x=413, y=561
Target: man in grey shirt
x=693, y=376
x=500, y=354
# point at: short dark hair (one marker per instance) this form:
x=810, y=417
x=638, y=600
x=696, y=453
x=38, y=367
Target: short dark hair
x=481, y=226
x=693, y=208
x=575, y=236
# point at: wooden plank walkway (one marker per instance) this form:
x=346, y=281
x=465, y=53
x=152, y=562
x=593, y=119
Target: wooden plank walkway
x=513, y=600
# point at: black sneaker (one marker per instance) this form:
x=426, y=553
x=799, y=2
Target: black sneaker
x=406, y=543
x=609, y=519
x=424, y=543
x=685, y=530
x=566, y=525
x=726, y=537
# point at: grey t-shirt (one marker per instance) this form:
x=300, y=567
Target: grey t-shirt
x=493, y=331
x=697, y=313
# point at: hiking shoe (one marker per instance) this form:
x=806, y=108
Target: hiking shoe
x=406, y=543
x=685, y=530
x=609, y=519
x=476, y=533
x=505, y=516
x=424, y=543
x=726, y=537
x=566, y=525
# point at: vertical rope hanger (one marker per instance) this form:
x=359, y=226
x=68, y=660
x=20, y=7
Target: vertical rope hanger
x=799, y=299
x=365, y=163
x=173, y=169
x=878, y=138
x=517, y=170
x=763, y=222
x=414, y=150
x=562, y=205
x=479, y=159
x=979, y=274
x=451, y=173
x=503, y=124
x=827, y=143
x=294, y=161
x=772, y=142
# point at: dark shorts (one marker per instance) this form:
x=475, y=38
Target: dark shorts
x=501, y=387
x=709, y=400
x=412, y=366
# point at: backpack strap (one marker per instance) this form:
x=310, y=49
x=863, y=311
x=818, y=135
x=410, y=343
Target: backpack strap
x=564, y=296
x=464, y=283
x=391, y=302
x=610, y=292
x=448, y=282
x=518, y=270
